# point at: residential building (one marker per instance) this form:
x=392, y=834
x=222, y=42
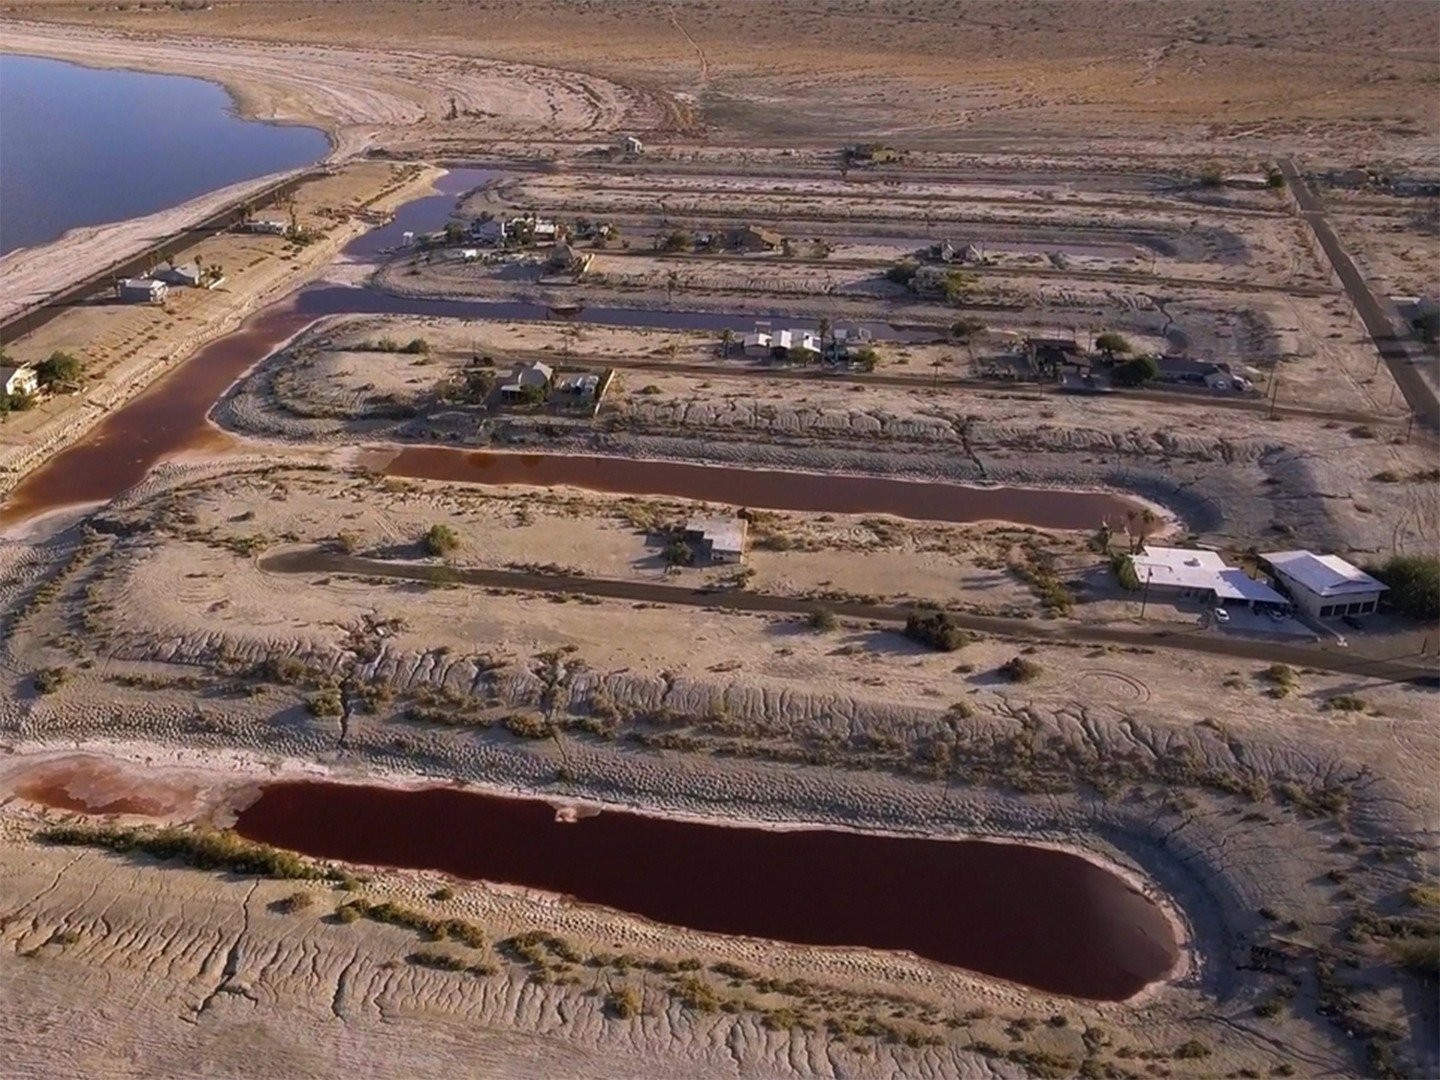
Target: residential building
x=18, y=381
x=757, y=343
x=578, y=387
x=268, y=226
x=718, y=539
x=631, y=145
x=141, y=291
x=189, y=275
x=527, y=382
x=1324, y=586
x=564, y=259
x=1204, y=576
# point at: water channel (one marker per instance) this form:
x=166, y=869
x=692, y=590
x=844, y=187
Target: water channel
x=81, y=146
x=1036, y=916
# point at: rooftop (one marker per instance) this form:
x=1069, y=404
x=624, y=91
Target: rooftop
x=1323, y=575
x=721, y=533
x=1187, y=568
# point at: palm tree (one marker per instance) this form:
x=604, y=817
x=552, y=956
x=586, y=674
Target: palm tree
x=672, y=281
x=824, y=331
x=727, y=338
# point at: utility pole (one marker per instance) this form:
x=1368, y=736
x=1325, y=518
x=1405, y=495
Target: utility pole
x=1274, y=390
x=1145, y=596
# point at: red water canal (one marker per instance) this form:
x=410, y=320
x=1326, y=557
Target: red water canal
x=1035, y=916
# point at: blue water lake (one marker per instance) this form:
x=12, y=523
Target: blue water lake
x=81, y=146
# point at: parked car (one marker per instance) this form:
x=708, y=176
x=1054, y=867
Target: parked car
x=1221, y=615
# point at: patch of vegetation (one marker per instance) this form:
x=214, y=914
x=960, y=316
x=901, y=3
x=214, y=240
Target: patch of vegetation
x=623, y=1003
x=903, y=272
x=432, y=926
x=48, y=680
x=1052, y=593
x=822, y=619
x=295, y=902
x=1192, y=1050
x=1136, y=371
x=440, y=540
x=1346, y=703
x=203, y=848
x=1123, y=567
x=325, y=702
x=937, y=629
x=1020, y=669
x=529, y=726
x=1414, y=582
x=58, y=368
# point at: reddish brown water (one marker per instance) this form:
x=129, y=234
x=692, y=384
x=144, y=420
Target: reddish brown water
x=768, y=488
x=165, y=420
x=1031, y=915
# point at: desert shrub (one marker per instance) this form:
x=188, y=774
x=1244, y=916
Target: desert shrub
x=1020, y=669
x=1282, y=675
x=439, y=961
x=1191, y=1050
x=325, y=702
x=207, y=849
x=528, y=725
x=1420, y=955
x=623, y=1003
x=822, y=619
x=1387, y=476
x=696, y=994
x=902, y=273
x=937, y=629
x=1363, y=431
x=1112, y=344
x=1346, y=703
x=1414, y=582
x=417, y=346
x=48, y=680
x=443, y=893
x=441, y=540
x=296, y=901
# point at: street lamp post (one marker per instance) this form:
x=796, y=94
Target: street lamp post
x=1145, y=595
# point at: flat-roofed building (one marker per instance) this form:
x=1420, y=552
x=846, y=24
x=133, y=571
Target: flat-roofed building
x=1324, y=586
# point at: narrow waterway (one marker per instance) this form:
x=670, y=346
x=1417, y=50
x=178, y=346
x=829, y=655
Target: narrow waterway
x=770, y=489
x=1031, y=915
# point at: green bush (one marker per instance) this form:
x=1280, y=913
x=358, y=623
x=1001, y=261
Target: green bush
x=441, y=540
x=59, y=367
x=1414, y=582
x=418, y=346
x=1136, y=372
x=326, y=702
x=902, y=273
x=1124, y=569
x=937, y=629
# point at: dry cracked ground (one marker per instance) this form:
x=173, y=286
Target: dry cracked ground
x=153, y=633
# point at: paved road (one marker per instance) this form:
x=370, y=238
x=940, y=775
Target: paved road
x=319, y=561
x=1397, y=354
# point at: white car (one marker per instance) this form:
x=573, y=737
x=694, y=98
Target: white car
x=1221, y=615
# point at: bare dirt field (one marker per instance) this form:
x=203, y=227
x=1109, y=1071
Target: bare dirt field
x=277, y=594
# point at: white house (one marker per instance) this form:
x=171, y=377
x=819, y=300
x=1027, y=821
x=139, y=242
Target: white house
x=526, y=379
x=1193, y=574
x=18, y=381
x=631, y=145
x=187, y=275
x=1324, y=586
x=718, y=539
x=141, y=290
x=756, y=343
x=268, y=226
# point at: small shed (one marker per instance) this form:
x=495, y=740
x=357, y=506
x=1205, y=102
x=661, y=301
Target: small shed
x=752, y=239
x=631, y=145
x=268, y=226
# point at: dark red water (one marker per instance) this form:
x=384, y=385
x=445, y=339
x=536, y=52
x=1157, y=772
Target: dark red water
x=1043, y=918
x=770, y=489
